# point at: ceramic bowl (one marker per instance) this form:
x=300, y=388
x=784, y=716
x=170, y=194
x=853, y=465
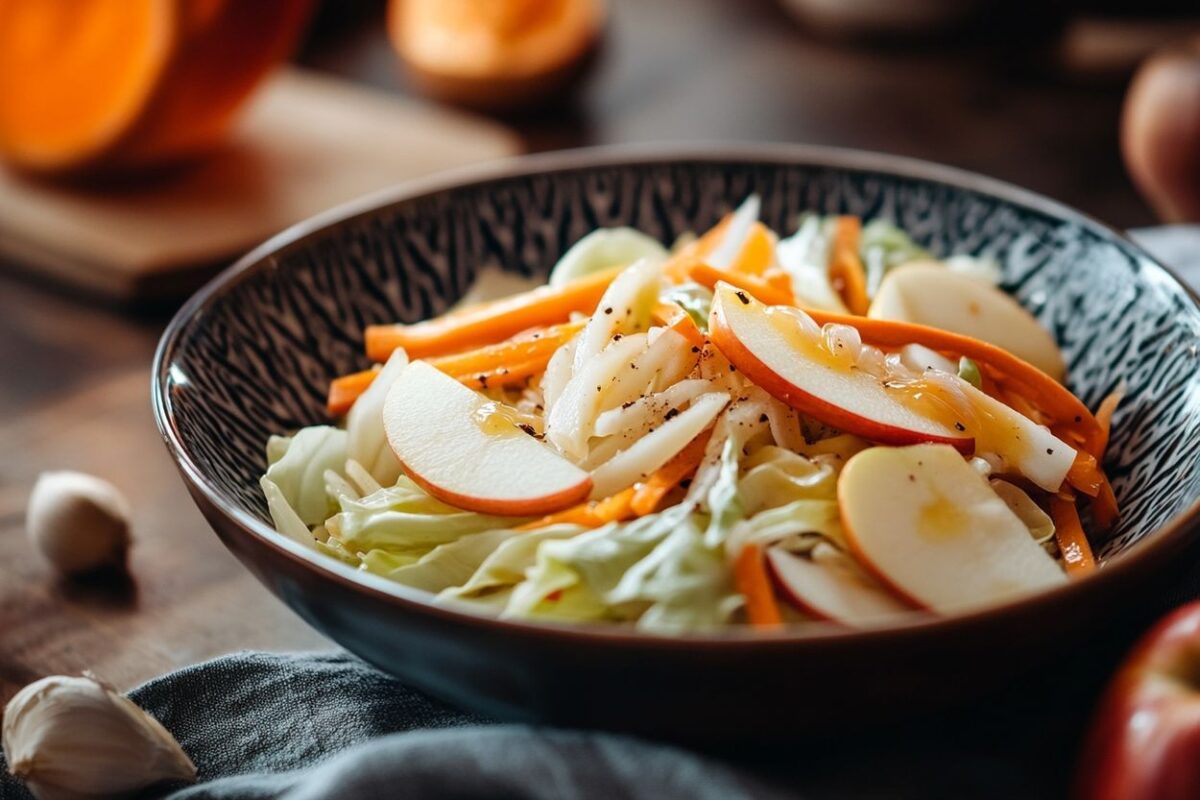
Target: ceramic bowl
x=252, y=353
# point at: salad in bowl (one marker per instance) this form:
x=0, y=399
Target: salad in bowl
x=746, y=428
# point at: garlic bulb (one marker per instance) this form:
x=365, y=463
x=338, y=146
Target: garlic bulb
x=77, y=737
x=77, y=521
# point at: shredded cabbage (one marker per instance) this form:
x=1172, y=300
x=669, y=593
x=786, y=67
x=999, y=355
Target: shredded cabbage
x=298, y=470
x=667, y=571
x=604, y=248
x=403, y=519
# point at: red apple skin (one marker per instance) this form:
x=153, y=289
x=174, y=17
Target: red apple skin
x=817, y=408
x=1144, y=743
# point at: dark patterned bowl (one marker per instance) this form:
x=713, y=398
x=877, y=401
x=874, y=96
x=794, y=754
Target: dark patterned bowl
x=251, y=355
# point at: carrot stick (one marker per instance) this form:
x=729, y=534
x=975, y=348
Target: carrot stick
x=751, y=579
x=1105, y=411
x=676, y=268
x=1072, y=541
x=345, y=390
x=514, y=374
x=591, y=514
x=1104, y=506
x=489, y=322
x=756, y=253
x=674, y=317
x=1085, y=474
x=637, y=500
x=648, y=495
x=708, y=275
x=779, y=279
x=507, y=363
x=1054, y=398
x=846, y=271
x=535, y=345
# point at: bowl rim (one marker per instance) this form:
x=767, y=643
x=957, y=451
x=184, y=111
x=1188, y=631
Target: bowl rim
x=1144, y=554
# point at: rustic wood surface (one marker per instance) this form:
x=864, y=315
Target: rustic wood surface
x=306, y=143
x=74, y=375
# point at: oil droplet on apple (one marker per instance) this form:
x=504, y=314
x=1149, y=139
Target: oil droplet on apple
x=786, y=322
x=498, y=419
x=941, y=520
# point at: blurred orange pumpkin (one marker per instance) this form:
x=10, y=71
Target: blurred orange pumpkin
x=494, y=54
x=128, y=84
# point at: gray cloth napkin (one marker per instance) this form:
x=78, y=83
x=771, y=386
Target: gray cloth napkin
x=262, y=726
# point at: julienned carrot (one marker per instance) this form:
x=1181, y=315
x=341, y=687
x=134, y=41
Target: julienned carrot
x=676, y=267
x=591, y=514
x=1105, y=411
x=491, y=322
x=846, y=271
x=648, y=495
x=1085, y=474
x=527, y=346
x=751, y=579
x=757, y=251
x=514, y=374
x=1104, y=505
x=708, y=275
x=1052, y=397
x=1072, y=541
x=674, y=317
x=345, y=390
x=779, y=279
x=507, y=363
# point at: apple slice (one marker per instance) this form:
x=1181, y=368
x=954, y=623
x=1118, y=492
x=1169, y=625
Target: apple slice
x=928, y=293
x=772, y=348
x=930, y=527
x=830, y=585
x=466, y=451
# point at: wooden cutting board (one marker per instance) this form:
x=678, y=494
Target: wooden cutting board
x=306, y=143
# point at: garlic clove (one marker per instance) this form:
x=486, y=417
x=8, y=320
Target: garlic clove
x=70, y=737
x=78, y=522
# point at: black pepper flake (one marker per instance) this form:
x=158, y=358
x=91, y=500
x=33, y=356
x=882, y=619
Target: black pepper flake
x=650, y=431
x=597, y=388
x=960, y=426
x=732, y=368
x=483, y=381
x=627, y=405
x=1078, y=418
x=912, y=478
x=504, y=370
x=628, y=311
x=616, y=337
x=525, y=426
x=695, y=349
x=608, y=310
x=742, y=296
x=632, y=365
x=685, y=483
x=674, y=412
x=1049, y=451
x=743, y=398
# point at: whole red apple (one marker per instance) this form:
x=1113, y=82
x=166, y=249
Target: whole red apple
x=1144, y=743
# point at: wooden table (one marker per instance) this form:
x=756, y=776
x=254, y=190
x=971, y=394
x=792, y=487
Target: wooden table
x=74, y=377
